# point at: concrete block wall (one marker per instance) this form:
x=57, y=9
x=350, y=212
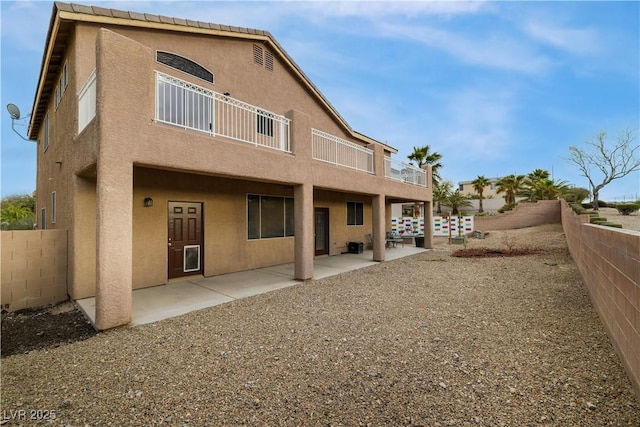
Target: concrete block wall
x=524, y=215
x=34, y=268
x=609, y=261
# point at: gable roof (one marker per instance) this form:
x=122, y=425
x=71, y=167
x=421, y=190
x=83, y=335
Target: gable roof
x=64, y=16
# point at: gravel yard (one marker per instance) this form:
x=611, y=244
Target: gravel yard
x=429, y=340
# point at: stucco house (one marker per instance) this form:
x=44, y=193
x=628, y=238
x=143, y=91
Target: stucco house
x=169, y=147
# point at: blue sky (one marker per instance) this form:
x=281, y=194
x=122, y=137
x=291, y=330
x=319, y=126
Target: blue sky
x=495, y=87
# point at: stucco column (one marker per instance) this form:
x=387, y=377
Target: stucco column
x=304, y=227
x=114, y=246
x=428, y=224
x=378, y=225
x=114, y=184
x=304, y=231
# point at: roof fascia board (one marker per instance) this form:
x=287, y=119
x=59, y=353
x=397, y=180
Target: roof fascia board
x=51, y=36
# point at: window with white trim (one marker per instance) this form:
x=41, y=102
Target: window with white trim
x=43, y=219
x=87, y=102
x=355, y=213
x=269, y=216
x=45, y=132
x=264, y=122
x=53, y=207
x=63, y=82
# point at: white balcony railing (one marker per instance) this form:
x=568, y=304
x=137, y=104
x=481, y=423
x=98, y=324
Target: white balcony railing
x=189, y=106
x=331, y=149
x=405, y=172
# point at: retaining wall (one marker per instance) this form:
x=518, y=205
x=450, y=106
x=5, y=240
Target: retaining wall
x=34, y=268
x=523, y=215
x=609, y=261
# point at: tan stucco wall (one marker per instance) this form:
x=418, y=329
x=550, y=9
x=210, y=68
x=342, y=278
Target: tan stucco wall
x=123, y=156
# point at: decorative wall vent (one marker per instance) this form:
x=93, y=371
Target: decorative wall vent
x=262, y=57
x=185, y=65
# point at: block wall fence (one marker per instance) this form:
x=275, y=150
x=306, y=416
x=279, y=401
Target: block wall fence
x=609, y=261
x=34, y=268
x=523, y=215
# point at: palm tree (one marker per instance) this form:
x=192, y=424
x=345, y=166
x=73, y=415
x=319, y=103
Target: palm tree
x=422, y=156
x=455, y=201
x=478, y=185
x=510, y=185
x=440, y=193
x=544, y=189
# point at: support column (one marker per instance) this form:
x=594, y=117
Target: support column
x=114, y=243
x=304, y=231
x=428, y=224
x=379, y=217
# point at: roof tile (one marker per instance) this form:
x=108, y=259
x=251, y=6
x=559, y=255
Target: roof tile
x=166, y=19
x=152, y=18
x=120, y=14
x=66, y=7
x=80, y=8
x=137, y=16
x=101, y=11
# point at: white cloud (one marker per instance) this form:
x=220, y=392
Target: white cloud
x=492, y=50
x=577, y=41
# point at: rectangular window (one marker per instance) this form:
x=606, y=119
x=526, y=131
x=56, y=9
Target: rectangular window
x=183, y=104
x=43, y=219
x=264, y=123
x=63, y=82
x=45, y=133
x=53, y=207
x=355, y=213
x=269, y=217
x=87, y=102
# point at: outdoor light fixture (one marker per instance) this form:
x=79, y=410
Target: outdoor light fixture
x=14, y=112
x=148, y=202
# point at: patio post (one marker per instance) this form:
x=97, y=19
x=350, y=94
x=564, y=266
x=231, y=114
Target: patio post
x=378, y=225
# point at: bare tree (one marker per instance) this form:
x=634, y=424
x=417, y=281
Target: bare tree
x=599, y=161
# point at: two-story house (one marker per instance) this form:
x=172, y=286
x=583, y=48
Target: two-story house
x=169, y=147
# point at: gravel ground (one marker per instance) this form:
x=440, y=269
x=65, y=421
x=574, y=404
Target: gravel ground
x=428, y=340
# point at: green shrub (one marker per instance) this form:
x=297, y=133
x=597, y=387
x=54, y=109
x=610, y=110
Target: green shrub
x=507, y=207
x=610, y=224
x=598, y=219
x=627, y=208
x=601, y=203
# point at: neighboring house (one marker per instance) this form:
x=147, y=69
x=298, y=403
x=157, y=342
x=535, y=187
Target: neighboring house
x=169, y=147
x=490, y=191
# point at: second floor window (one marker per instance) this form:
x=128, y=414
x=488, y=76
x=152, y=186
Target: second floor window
x=264, y=123
x=45, y=133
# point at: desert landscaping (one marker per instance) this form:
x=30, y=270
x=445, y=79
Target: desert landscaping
x=429, y=339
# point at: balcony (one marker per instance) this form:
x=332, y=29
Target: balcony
x=331, y=149
x=180, y=103
x=404, y=172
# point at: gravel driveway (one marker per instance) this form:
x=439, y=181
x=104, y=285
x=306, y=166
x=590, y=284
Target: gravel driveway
x=428, y=340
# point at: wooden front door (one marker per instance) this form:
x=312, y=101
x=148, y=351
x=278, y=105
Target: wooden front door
x=322, y=231
x=185, y=239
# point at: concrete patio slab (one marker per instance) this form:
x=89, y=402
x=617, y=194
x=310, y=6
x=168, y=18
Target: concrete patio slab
x=176, y=298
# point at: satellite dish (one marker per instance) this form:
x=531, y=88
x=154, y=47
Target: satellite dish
x=14, y=111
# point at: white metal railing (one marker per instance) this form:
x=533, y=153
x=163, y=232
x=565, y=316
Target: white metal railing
x=331, y=149
x=405, y=172
x=189, y=106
